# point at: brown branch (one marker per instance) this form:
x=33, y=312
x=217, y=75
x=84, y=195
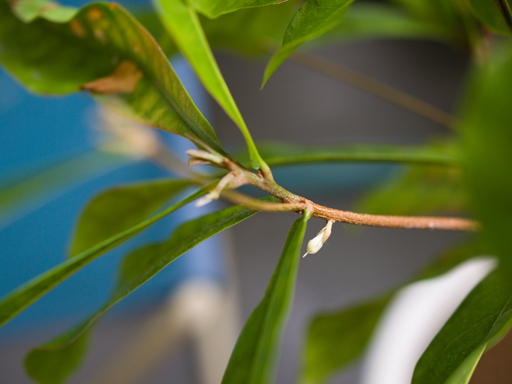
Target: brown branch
x=445, y=223
x=292, y=202
x=316, y=210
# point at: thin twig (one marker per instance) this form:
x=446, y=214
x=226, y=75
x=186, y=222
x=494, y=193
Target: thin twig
x=355, y=79
x=445, y=223
x=291, y=201
x=316, y=210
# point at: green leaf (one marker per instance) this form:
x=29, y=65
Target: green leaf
x=42, y=363
x=252, y=360
x=463, y=374
x=118, y=61
x=384, y=21
x=51, y=364
x=312, y=20
x=486, y=120
x=278, y=154
x=418, y=191
x=495, y=14
x=214, y=9
x=20, y=194
x=250, y=31
x=337, y=339
x=482, y=319
x=30, y=10
x=118, y=209
x=183, y=25
x=25, y=295
x=151, y=22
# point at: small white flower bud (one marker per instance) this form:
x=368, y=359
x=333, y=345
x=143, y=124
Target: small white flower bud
x=316, y=243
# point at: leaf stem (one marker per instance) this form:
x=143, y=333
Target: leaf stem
x=374, y=87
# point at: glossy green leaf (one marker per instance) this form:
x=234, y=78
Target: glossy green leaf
x=118, y=209
x=463, y=374
x=418, y=191
x=118, y=61
x=21, y=194
x=253, y=359
x=25, y=295
x=337, y=339
x=496, y=14
x=312, y=20
x=214, y=9
x=136, y=269
x=183, y=25
x=486, y=120
x=481, y=320
x=278, y=154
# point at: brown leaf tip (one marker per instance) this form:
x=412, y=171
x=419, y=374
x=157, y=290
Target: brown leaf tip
x=122, y=80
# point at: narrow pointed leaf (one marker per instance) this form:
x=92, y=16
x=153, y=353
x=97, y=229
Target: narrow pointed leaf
x=253, y=359
x=22, y=194
x=25, y=295
x=483, y=318
x=42, y=363
x=103, y=49
x=335, y=340
x=312, y=20
x=463, y=374
x=277, y=154
x=183, y=25
x=214, y=9
x=118, y=209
